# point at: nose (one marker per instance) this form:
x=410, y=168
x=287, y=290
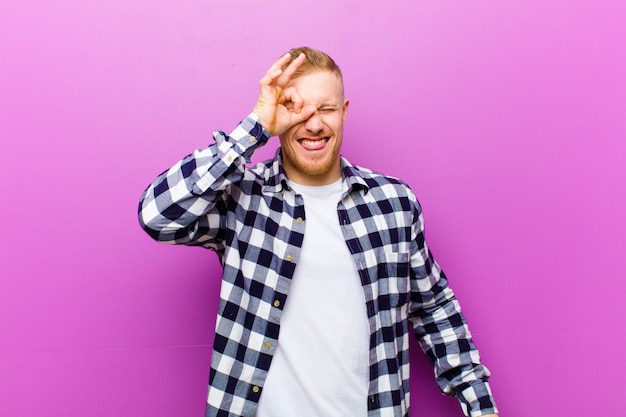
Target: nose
x=314, y=123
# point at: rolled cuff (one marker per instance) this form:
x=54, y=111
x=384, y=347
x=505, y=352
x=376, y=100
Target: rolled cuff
x=477, y=400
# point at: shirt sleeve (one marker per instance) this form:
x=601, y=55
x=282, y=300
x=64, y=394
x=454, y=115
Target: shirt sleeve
x=442, y=330
x=187, y=203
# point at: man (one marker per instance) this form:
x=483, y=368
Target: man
x=325, y=266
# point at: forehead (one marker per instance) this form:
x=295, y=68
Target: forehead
x=319, y=87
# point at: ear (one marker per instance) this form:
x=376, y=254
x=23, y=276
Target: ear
x=346, y=104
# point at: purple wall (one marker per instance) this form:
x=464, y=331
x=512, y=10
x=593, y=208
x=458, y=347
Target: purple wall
x=507, y=118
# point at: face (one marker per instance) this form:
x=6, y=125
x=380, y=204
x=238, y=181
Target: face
x=310, y=149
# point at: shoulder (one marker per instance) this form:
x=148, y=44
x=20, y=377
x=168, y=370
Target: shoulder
x=376, y=181
x=264, y=175
x=381, y=187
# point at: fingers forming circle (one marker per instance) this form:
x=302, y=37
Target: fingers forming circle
x=292, y=96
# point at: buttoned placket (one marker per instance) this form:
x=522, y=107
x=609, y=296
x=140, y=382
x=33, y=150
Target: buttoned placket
x=290, y=257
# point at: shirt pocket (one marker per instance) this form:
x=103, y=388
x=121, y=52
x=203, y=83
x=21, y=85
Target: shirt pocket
x=391, y=278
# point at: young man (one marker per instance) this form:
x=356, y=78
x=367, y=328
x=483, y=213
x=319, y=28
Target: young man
x=325, y=267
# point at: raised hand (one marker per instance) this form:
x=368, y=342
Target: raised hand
x=279, y=106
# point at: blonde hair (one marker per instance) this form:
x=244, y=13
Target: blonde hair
x=315, y=60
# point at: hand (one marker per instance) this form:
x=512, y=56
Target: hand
x=280, y=107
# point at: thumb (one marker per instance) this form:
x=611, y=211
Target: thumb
x=306, y=112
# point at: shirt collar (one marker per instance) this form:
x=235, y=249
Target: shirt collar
x=276, y=177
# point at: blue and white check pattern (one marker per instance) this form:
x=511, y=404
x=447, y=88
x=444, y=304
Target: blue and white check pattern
x=256, y=224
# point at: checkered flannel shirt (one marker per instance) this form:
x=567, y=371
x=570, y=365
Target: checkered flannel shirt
x=256, y=223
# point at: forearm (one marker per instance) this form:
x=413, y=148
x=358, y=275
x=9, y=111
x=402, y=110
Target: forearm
x=444, y=336
x=183, y=203
x=443, y=333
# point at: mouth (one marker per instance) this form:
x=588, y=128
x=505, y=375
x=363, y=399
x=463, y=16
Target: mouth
x=314, y=144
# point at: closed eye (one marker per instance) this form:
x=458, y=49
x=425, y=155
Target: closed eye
x=327, y=110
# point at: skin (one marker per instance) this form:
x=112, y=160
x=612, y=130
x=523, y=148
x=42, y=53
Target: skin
x=307, y=113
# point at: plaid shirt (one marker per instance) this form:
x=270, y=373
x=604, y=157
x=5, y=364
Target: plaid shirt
x=256, y=224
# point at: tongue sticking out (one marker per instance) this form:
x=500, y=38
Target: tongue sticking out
x=313, y=144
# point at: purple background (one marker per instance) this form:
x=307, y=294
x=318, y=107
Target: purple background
x=506, y=117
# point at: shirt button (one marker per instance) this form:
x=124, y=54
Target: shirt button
x=255, y=389
x=352, y=197
x=252, y=139
x=276, y=303
x=229, y=159
x=268, y=345
x=299, y=219
x=290, y=258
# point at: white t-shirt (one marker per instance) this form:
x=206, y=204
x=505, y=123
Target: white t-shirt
x=321, y=366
